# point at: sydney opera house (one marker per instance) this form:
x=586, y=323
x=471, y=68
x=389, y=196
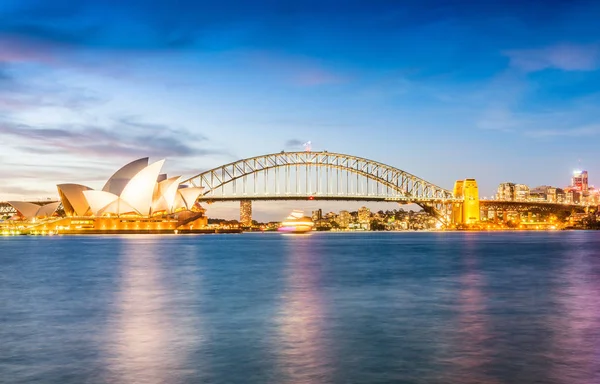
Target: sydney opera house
x=136, y=199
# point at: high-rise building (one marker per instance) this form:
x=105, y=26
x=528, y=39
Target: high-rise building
x=246, y=213
x=317, y=214
x=580, y=181
x=551, y=193
x=506, y=192
x=364, y=215
x=521, y=192
x=344, y=219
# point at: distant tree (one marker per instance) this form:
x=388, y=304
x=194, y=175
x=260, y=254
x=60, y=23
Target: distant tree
x=377, y=225
x=334, y=224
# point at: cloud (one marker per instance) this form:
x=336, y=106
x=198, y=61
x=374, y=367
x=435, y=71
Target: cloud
x=125, y=140
x=566, y=57
x=17, y=50
x=583, y=131
x=294, y=143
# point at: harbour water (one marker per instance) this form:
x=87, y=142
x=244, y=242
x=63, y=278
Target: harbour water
x=520, y=307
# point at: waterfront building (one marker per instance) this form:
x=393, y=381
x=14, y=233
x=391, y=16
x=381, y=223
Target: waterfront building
x=135, y=198
x=364, y=215
x=506, y=192
x=572, y=197
x=344, y=219
x=246, y=213
x=521, y=192
x=551, y=194
x=317, y=214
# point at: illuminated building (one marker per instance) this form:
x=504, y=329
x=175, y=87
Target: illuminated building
x=521, y=192
x=246, y=213
x=136, y=198
x=344, y=219
x=551, y=194
x=364, y=215
x=317, y=214
x=506, y=192
x=364, y=218
x=572, y=197
x=579, y=181
x=31, y=211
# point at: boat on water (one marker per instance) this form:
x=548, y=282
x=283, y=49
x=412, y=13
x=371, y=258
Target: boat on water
x=296, y=222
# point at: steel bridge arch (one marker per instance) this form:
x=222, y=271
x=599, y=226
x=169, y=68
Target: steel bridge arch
x=408, y=186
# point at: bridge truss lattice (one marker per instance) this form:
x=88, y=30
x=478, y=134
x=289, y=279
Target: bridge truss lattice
x=319, y=176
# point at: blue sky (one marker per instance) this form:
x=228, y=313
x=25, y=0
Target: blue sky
x=445, y=90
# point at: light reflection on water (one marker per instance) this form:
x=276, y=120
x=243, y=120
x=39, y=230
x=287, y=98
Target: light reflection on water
x=267, y=308
x=141, y=337
x=302, y=345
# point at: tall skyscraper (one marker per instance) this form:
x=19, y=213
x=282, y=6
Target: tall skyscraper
x=580, y=181
x=317, y=214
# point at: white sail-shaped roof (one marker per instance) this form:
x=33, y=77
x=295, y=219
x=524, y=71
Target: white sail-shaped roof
x=30, y=211
x=136, y=188
x=138, y=192
x=47, y=209
x=190, y=195
x=74, y=202
x=179, y=203
x=117, y=182
x=164, y=195
x=118, y=207
x=25, y=209
x=98, y=200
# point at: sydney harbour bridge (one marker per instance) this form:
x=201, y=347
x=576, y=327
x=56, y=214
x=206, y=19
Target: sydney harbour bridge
x=326, y=175
x=309, y=175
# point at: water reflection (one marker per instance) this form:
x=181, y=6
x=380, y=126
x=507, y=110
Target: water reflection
x=149, y=337
x=302, y=344
x=470, y=351
x=576, y=325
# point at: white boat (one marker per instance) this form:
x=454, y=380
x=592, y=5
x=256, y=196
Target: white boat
x=296, y=222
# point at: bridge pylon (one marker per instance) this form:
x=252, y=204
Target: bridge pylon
x=467, y=211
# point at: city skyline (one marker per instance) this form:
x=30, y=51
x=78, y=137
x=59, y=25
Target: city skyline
x=496, y=92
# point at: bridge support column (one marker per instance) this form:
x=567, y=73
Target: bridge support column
x=246, y=213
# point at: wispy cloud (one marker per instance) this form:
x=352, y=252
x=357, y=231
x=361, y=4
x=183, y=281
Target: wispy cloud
x=123, y=139
x=294, y=144
x=583, y=131
x=567, y=57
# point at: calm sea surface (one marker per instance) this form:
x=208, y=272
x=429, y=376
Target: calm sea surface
x=320, y=308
